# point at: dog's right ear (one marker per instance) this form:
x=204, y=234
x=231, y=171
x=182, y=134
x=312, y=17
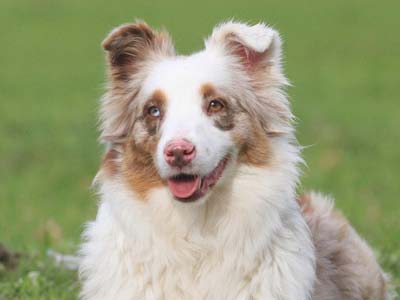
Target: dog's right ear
x=130, y=49
x=129, y=46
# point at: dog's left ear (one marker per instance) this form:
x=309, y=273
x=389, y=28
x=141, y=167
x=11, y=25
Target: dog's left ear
x=257, y=47
x=256, y=50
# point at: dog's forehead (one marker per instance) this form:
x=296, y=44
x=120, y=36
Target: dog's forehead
x=186, y=74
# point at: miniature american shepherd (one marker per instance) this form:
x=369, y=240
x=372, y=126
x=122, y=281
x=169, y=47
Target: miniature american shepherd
x=197, y=185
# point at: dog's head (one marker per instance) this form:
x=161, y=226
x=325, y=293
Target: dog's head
x=180, y=122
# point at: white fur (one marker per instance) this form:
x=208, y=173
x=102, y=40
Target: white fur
x=258, y=37
x=185, y=118
x=250, y=242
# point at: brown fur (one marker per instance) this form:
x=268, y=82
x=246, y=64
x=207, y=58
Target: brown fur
x=256, y=150
x=208, y=90
x=254, y=145
x=135, y=166
x=346, y=267
x=157, y=99
x=109, y=164
x=139, y=171
x=223, y=119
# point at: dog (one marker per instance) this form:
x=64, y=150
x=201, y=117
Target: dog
x=198, y=182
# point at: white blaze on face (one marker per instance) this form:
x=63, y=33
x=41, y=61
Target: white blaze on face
x=181, y=79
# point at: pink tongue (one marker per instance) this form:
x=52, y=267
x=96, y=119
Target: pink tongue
x=183, y=188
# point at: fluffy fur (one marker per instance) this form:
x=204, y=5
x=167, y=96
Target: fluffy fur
x=249, y=236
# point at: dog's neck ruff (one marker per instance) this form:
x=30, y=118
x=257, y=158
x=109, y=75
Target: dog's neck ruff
x=245, y=230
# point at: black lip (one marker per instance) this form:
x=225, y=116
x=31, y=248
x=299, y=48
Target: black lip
x=183, y=177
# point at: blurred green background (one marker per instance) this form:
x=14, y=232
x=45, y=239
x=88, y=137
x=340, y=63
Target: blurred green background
x=341, y=56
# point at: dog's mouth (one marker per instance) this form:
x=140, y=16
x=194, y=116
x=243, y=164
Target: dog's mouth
x=191, y=187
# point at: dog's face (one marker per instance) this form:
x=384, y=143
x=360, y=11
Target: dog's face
x=180, y=121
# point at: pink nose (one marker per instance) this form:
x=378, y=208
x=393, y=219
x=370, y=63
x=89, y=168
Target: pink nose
x=179, y=153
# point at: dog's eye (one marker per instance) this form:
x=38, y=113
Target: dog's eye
x=154, y=111
x=215, y=105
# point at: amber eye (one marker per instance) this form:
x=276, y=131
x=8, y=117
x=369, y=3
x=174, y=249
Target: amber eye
x=154, y=111
x=215, y=105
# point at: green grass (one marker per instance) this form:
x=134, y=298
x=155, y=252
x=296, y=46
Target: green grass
x=341, y=56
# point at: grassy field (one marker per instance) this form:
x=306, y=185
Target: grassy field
x=341, y=56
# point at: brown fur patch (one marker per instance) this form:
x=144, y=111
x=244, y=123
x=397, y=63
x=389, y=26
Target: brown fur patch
x=223, y=119
x=134, y=163
x=139, y=170
x=157, y=99
x=255, y=148
x=109, y=164
x=159, y=96
x=208, y=90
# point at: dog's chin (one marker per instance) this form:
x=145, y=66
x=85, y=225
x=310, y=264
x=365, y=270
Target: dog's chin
x=189, y=188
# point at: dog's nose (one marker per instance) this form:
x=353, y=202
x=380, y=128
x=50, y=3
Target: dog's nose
x=179, y=153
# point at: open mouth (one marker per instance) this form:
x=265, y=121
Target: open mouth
x=190, y=187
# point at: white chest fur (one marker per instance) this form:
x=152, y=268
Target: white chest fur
x=252, y=243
